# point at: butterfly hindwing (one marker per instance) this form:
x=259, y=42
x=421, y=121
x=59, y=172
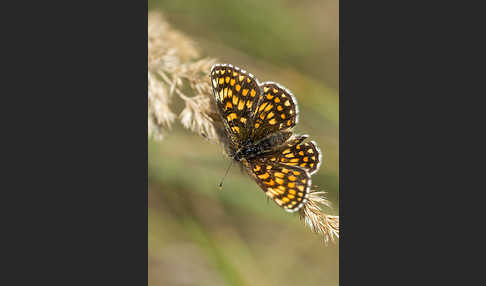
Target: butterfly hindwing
x=305, y=155
x=287, y=186
x=236, y=93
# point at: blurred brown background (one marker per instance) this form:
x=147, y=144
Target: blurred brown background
x=201, y=236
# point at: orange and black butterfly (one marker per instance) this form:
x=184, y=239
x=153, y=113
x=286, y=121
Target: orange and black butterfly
x=258, y=119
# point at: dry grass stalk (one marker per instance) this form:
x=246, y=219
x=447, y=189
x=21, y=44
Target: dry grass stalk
x=319, y=222
x=174, y=67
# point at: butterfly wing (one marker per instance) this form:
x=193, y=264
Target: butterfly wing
x=236, y=93
x=277, y=111
x=287, y=186
x=296, y=153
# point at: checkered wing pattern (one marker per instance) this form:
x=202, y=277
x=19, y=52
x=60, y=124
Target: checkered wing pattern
x=277, y=110
x=296, y=153
x=261, y=116
x=287, y=186
x=236, y=93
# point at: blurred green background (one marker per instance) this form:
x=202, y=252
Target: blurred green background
x=199, y=235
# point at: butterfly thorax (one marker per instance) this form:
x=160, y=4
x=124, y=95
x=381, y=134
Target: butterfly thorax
x=251, y=150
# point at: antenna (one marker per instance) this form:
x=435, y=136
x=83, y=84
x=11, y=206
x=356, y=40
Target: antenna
x=227, y=170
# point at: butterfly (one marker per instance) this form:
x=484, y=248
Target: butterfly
x=258, y=119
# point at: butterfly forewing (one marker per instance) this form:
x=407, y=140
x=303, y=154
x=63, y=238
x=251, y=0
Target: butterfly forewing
x=277, y=110
x=236, y=93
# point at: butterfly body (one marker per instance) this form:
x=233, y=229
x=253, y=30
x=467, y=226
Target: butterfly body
x=258, y=119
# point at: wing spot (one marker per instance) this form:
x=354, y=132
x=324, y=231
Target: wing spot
x=270, y=115
x=269, y=106
x=222, y=72
x=269, y=167
x=236, y=129
x=291, y=185
x=306, y=159
x=265, y=89
x=293, y=192
x=290, y=155
x=252, y=93
x=301, y=188
x=287, y=103
x=262, y=106
x=285, y=170
x=241, y=105
x=273, y=159
x=301, y=153
x=291, y=197
x=279, y=108
x=257, y=168
x=235, y=73
x=232, y=82
x=245, y=92
x=313, y=158
x=231, y=116
x=311, y=165
x=286, y=151
x=242, y=119
x=248, y=80
x=238, y=87
x=310, y=151
x=227, y=79
x=248, y=104
x=278, y=174
x=272, y=121
x=225, y=92
x=292, y=178
x=289, y=122
x=241, y=77
x=235, y=99
x=269, y=96
x=264, y=176
x=271, y=183
x=282, y=116
x=285, y=199
x=277, y=100
x=303, y=164
x=294, y=160
x=257, y=125
x=296, y=173
x=228, y=105
x=279, y=181
x=300, y=194
x=275, y=90
x=221, y=80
